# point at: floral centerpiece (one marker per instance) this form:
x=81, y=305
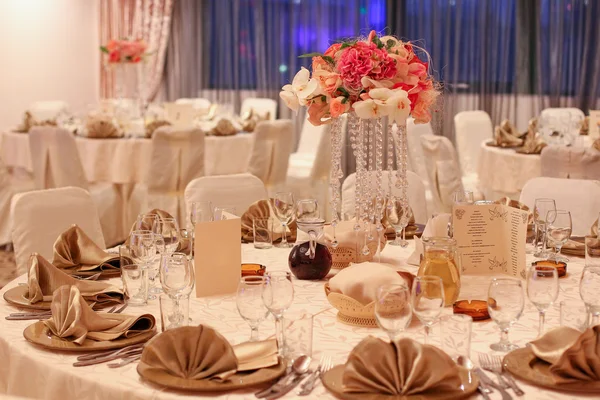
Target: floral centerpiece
x=368, y=79
x=125, y=50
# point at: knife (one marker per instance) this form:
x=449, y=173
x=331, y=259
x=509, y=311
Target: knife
x=288, y=388
x=489, y=382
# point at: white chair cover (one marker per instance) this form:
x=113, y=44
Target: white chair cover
x=261, y=106
x=271, y=152
x=238, y=191
x=580, y=197
x=565, y=118
x=415, y=151
x=56, y=163
x=44, y=110
x=471, y=128
x=9, y=186
x=310, y=138
x=571, y=162
x=177, y=157
x=198, y=103
x=39, y=217
x=416, y=194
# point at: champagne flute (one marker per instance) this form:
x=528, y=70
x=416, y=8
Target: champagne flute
x=540, y=211
x=143, y=249
x=250, y=304
x=589, y=287
x=427, y=299
x=392, y=309
x=307, y=209
x=283, y=205
x=398, y=215
x=277, y=295
x=542, y=290
x=505, y=305
x=168, y=228
x=558, y=231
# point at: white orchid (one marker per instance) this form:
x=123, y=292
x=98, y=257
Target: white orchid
x=398, y=106
x=298, y=92
x=367, y=109
x=289, y=98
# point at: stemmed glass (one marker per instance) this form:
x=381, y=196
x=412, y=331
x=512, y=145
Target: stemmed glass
x=540, y=212
x=558, y=231
x=168, y=228
x=145, y=222
x=250, y=304
x=392, y=309
x=307, y=209
x=542, y=290
x=177, y=279
x=143, y=249
x=427, y=299
x=277, y=295
x=589, y=288
x=398, y=215
x=461, y=197
x=201, y=211
x=219, y=210
x=505, y=305
x=283, y=205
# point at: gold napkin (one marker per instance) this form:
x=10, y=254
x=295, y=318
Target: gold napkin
x=154, y=125
x=74, y=251
x=249, y=120
x=264, y=209
x=596, y=144
x=389, y=229
x=585, y=126
x=29, y=122
x=255, y=355
x=102, y=126
x=44, y=278
x=506, y=135
x=533, y=143
x=73, y=319
x=574, y=356
x=403, y=367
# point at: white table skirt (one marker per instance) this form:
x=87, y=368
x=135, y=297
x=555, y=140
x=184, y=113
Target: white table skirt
x=126, y=160
x=30, y=371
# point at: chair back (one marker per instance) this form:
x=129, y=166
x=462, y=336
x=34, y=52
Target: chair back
x=272, y=148
x=40, y=216
x=415, y=151
x=197, y=103
x=261, y=106
x=310, y=137
x=471, y=128
x=45, y=110
x=570, y=162
x=580, y=197
x=567, y=119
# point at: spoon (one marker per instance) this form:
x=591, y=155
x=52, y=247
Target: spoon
x=468, y=364
x=299, y=367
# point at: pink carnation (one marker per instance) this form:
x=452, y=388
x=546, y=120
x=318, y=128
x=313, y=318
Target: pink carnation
x=364, y=59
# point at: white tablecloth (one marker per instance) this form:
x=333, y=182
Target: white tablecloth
x=126, y=160
x=27, y=370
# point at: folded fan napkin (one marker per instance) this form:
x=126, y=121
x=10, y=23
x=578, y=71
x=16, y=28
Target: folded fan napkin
x=154, y=125
x=585, y=126
x=403, y=367
x=264, y=209
x=435, y=227
x=249, y=120
x=102, y=126
x=44, y=278
x=505, y=135
x=574, y=356
x=74, y=251
x=533, y=143
x=73, y=319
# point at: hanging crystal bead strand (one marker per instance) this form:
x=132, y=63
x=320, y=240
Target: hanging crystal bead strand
x=335, y=174
x=390, y=165
x=366, y=187
x=402, y=156
x=378, y=211
x=370, y=167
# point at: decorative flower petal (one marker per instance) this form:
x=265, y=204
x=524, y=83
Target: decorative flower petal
x=380, y=93
x=308, y=89
x=287, y=88
x=290, y=99
x=368, y=109
x=301, y=79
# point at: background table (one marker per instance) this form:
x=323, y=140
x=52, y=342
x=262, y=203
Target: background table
x=126, y=160
x=31, y=371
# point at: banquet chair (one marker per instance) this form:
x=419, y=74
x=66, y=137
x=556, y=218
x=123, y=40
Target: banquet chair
x=238, y=191
x=580, y=197
x=198, y=103
x=570, y=162
x=271, y=153
x=261, y=106
x=471, y=129
x=45, y=110
x=416, y=194
x=416, y=162
x=56, y=163
x=40, y=216
x=176, y=158
x=10, y=185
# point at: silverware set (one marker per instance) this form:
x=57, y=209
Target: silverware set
x=505, y=380
x=45, y=314
x=127, y=355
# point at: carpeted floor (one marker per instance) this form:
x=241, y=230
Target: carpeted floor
x=8, y=268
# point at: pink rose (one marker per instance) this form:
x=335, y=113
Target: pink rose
x=114, y=56
x=338, y=106
x=328, y=81
x=317, y=110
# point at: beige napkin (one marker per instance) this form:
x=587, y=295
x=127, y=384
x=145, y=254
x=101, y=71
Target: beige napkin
x=533, y=143
x=74, y=252
x=44, y=278
x=403, y=367
x=596, y=144
x=73, y=319
x=264, y=209
x=223, y=126
x=102, y=126
x=361, y=281
x=584, y=129
x=255, y=355
x=154, y=125
x=29, y=122
x=506, y=135
x=249, y=120
x=435, y=227
x=574, y=356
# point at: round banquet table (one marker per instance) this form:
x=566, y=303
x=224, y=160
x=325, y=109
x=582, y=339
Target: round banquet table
x=30, y=371
x=125, y=160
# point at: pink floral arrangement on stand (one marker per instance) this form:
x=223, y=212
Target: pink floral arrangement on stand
x=125, y=50
x=375, y=77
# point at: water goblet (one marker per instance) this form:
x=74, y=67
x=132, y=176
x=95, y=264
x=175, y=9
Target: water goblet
x=398, y=215
x=250, y=304
x=307, y=209
x=540, y=212
x=277, y=295
x=589, y=287
x=505, y=306
x=283, y=205
x=558, y=231
x=462, y=197
x=168, y=228
x=201, y=211
x=392, y=309
x=427, y=299
x=143, y=250
x=542, y=290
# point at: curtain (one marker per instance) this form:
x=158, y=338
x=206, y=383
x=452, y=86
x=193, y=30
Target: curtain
x=146, y=19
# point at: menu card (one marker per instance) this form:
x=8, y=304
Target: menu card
x=218, y=256
x=491, y=239
x=594, y=125
x=180, y=115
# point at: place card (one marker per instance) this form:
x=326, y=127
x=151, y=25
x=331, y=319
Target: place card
x=180, y=115
x=491, y=239
x=218, y=256
x=594, y=124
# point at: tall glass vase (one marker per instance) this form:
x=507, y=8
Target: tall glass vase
x=128, y=91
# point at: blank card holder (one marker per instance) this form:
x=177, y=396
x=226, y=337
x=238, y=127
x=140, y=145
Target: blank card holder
x=181, y=116
x=218, y=257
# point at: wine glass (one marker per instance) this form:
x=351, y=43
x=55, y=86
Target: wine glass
x=398, y=215
x=143, y=249
x=177, y=278
x=145, y=222
x=218, y=212
x=168, y=228
x=250, y=304
x=589, y=287
x=201, y=211
x=540, y=211
x=427, y=299
x=505, y=305
x=307, y=209
x=542, y=290
x=558, y=231
x=283, y=205
x=392, y=309
x=463, y=197
x=277, y=295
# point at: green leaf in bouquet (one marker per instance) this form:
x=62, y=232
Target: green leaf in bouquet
x=389, y=44
x=378, y=42
x=104, y=49
x=310, y=55
x=347, y=44
x=343, y=91
x=329, y=59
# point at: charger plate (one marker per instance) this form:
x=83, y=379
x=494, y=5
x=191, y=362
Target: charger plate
x=16, y=297
x=332, y=380
x=39, y=334
x=524, y=365
x=239, y=380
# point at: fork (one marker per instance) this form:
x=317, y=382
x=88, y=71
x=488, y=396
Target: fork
x=325, y=365
x=486, y=363
x=497, y=366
